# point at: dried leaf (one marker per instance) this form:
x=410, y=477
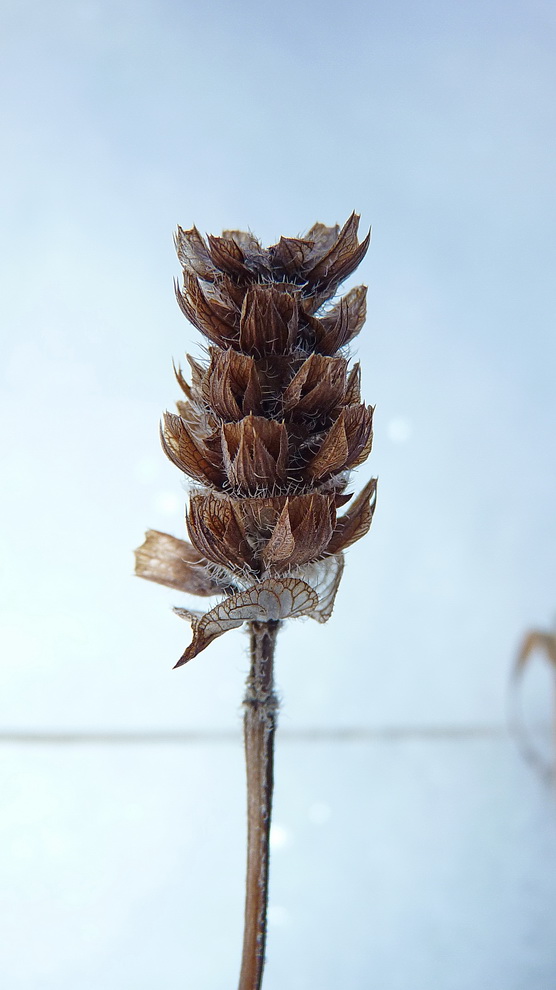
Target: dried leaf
x=216, y=531
x=291, y=254
x=342, y=322
x=312, y=519
x=174, y=563
x=193, y=253
x=231, y=385
x=356, y=521
x=215, y=321
x=333, y=453
x=343, y=256
x=359, y=431
x=326, y=581
x=281, y=544
x=323, y=239
x=189, y=452
x=270, y=600
x=255, y=453
x=269, y=320
x=183, y=384
x=317, y=388
x=228, y=256
x=353, y=386
x=347, y=443
x=249, y=245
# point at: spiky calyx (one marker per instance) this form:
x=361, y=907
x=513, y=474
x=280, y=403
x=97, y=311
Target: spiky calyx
x=269, y=429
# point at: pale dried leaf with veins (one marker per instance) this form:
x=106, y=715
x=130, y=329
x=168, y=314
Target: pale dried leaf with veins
x=174, y=563
x=270, y=600
x=326, y=580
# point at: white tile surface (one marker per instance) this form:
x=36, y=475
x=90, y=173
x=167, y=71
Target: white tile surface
x=394, y=864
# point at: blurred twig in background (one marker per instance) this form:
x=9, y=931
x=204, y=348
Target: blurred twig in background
x=542, y=644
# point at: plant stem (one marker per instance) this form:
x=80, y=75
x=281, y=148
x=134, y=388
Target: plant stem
x=261, y=707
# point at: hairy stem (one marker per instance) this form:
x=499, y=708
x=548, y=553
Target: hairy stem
x=261, y=706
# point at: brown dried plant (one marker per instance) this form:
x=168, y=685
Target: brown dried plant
x=268, y=431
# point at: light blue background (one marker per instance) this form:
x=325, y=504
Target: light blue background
x=407, y=861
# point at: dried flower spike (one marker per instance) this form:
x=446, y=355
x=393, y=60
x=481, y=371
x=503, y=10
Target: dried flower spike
x=268, y=431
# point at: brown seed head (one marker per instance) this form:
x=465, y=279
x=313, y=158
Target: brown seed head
x=270, y=429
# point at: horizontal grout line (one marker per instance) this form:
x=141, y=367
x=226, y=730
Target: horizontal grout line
x=357, y=734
